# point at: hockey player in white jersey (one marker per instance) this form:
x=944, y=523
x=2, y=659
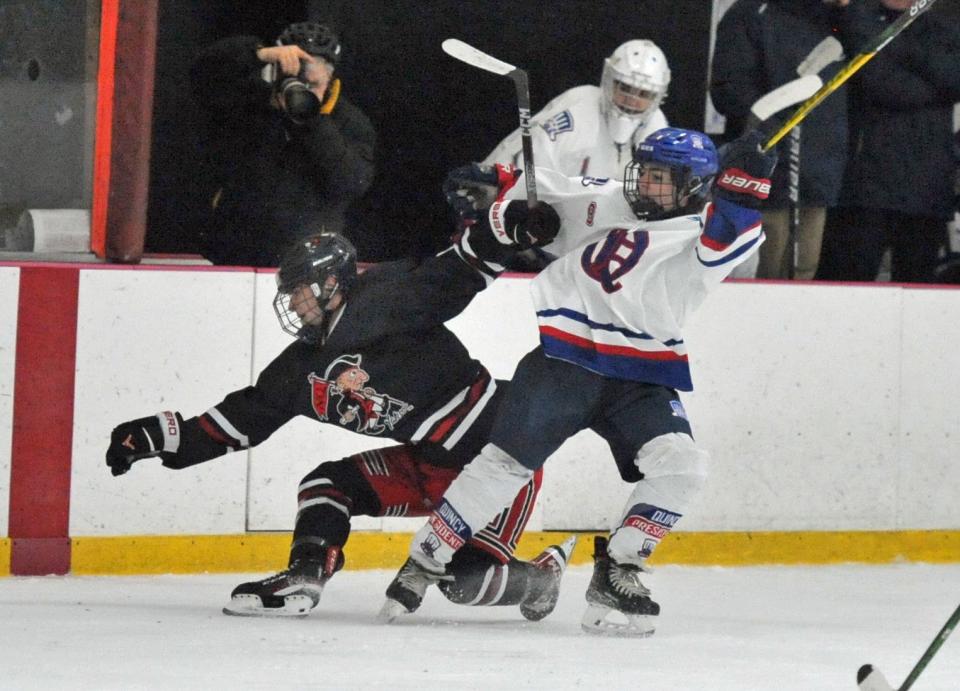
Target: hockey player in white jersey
x=590, y=130
x=635, y=260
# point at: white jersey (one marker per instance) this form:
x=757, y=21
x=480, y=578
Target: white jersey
x=570, y=135
x=617, y=297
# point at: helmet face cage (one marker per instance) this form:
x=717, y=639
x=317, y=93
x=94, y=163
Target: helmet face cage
x=692, y=160
x=637, y=69
x=316, y=39
x=311, y=273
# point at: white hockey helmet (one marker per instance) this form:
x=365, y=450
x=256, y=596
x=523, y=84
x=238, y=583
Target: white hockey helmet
x=634, y=84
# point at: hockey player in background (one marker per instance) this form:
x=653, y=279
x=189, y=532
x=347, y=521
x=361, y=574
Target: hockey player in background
x=373, y=356
x=635, y=259
x=592, y=131
x=589, y=130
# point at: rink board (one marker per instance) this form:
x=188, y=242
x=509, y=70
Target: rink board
x=827, y=410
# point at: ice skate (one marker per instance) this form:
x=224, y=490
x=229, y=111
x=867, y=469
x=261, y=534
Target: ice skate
x=615, y=590
x=290, y=593
x=406, y=591
x=545, y=590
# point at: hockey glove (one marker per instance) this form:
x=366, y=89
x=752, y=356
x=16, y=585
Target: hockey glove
x=745, y=171
x=475, y=186
x=145, y=437
x=523, y=226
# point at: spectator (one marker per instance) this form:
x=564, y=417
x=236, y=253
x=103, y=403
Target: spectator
x=286, y=157
x=760, y=45
x=590, y=130
x=898, y=187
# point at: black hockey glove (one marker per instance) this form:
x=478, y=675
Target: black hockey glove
x=745, y=171
x=475, y=186
x=526, y=227
x=145, y=437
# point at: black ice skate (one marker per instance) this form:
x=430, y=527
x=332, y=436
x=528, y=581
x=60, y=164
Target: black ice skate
x=290, y=593
x=617, y=587
x=406, y=591
x=544, y=590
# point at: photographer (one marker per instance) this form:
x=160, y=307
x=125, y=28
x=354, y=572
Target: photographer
x=287, y=151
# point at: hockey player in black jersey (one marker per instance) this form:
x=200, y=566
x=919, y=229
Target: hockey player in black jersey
x=366, y=359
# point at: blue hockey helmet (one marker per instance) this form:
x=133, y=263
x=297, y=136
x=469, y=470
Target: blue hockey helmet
x=693, y=163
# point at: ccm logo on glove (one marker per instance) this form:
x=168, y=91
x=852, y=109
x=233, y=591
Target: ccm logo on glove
x=737, y=180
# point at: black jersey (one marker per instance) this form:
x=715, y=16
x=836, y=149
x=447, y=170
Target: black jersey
x=389, y=368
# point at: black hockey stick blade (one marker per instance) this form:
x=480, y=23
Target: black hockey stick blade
x=869, y=678
x=874, y=46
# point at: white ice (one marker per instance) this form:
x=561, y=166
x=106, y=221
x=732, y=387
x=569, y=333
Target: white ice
x=736, y=629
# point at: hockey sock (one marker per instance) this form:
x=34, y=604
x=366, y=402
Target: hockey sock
x=487, y=485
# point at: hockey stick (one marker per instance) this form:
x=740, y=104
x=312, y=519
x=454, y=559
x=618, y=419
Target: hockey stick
x=870, y=679
x=466, y=53
x=874, y=46
x=784, y=96
x=828, y=51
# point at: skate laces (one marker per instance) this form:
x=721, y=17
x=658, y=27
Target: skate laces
x=625, y=579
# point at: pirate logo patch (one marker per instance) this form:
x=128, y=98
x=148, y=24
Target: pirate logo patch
x=341, y=396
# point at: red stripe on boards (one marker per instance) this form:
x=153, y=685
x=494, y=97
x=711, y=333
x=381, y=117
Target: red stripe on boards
x=43, y=420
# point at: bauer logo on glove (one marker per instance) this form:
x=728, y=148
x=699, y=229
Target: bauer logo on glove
x=745, y=170
x=737, y=180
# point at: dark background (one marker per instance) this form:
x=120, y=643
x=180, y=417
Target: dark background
x=431, y=112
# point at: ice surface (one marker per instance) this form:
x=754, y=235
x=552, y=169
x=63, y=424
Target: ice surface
x=736, y=629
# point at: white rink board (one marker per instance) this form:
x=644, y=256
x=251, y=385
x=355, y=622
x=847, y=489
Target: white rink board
x=10, y=292
x=824, y=407
x=149, y=341
x=928, y=476
x=796, y=400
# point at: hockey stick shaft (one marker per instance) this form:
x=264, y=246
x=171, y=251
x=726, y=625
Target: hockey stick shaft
x=931, y=650
x=873, y=47
x=828, y=51
x=477, y=58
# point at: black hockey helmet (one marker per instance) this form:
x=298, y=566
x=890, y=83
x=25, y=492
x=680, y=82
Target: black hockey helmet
x=311, y=273
x=316, y=39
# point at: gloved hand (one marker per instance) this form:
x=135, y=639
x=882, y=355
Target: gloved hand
x=745, y=170
x=475, y=186
x=526, y=227
x=142, y=438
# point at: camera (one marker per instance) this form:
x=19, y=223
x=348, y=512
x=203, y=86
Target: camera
x=299, y=102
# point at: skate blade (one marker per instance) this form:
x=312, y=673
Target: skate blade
x=390, y=610
x=596, y=620
x=297, y=606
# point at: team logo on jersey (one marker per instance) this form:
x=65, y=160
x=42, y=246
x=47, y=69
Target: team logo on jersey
x=615, y=257
x=342, y=397
x=588, y=180
x=591, y=212
x=558, y=124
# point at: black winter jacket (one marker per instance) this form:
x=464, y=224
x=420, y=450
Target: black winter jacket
x=758, y=48
x=901, y=155
x=268, y=180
